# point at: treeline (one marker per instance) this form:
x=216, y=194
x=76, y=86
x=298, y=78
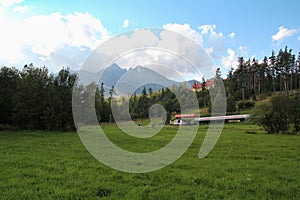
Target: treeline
x=251, y=79
x=139, y=105
x=35, y=99
x=278, y=114
x=276, y=83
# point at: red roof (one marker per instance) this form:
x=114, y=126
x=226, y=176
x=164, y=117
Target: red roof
x=209, y=84
x=197, y=86
x=185, y=116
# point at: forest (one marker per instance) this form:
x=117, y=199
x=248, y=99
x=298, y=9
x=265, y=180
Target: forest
x=33, y=98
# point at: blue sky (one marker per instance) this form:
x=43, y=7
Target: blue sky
x=54, y=33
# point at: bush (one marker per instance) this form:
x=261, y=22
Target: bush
x=231, y=107
x=241, y=105
x=277, y=114
x=249, y=104
x=246, y=104
x=7, y=127
x=296, y=113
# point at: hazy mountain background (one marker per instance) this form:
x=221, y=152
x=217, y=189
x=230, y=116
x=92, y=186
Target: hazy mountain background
x=126, y=80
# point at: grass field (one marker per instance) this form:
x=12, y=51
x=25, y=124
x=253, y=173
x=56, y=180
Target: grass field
x=55, y=165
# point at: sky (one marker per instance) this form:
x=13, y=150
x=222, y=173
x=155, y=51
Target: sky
x=60, y=34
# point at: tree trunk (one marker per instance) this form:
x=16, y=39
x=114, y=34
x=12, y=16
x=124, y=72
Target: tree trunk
x=274, y=84
x=258, y=87
x=285, y=84
x=243, y=94
x=291, y=82
x=280, y=83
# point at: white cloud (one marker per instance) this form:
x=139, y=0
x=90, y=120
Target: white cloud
x=230, y=59
x=283, y=33
x=215, y=41
x=261, y=61
x=185, y=30
x=170, y=54
x=57, y=40
x=299, y=38
x=207, y=37
x=8, y=3
x=209, y=50
x=43, y=35
x=125, y=23
x=216, y=35
x=217, y=45
x=231, y=35
x=207, y=28
x=243, y=51
x=2, y=13
x=210, y=30
x=20, y=9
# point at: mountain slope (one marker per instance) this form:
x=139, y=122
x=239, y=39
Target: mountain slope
x=135, y=79
x=128, y=81
x=111, y=75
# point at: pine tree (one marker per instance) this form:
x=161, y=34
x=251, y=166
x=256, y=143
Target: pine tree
x=273, y=69
x=150, y=91
x=218, y=74
x=9, y=78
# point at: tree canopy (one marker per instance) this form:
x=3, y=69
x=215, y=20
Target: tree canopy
x=33, y=98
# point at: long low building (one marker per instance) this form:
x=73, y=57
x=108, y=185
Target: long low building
x=225, y=118
x=191, y=119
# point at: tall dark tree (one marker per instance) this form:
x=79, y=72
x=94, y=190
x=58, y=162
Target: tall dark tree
x=64, y=83
x=218, y=73
x=231, y=105
x=273, y=69
x=203, y=86
x=255, y=79
x=9, y=78
x=263, y=75
x=150, y=91
x=231, y=82
x=32, y=98
x=144, y=93
x=112, y=92
x=143, y=104
x=298, y=70
x=240, y=75
x=102, y=92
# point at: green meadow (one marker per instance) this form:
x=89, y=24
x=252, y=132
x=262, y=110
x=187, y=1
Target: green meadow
x=56, y=165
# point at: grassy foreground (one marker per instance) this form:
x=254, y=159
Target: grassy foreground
x=54, y=165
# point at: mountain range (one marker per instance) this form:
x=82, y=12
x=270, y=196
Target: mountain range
x=129, y=81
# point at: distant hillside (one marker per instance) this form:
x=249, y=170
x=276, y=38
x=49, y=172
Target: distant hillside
x=125, y=81
x=111, y=75
x=141, y=76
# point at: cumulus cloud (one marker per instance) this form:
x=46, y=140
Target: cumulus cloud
x=56, y=40
x=20, y=9
x=8, y=3
x=207, y=28
x=209, y=50
x=283, y=33
x=1, y=11
x=217, y=45
x=185, y=30
x=215, y=41
x=44, y=35
x=125, y=23
x=166, y=52
x=210, y=30
x=243, y=51
x=231, y=35
x=229, y=60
